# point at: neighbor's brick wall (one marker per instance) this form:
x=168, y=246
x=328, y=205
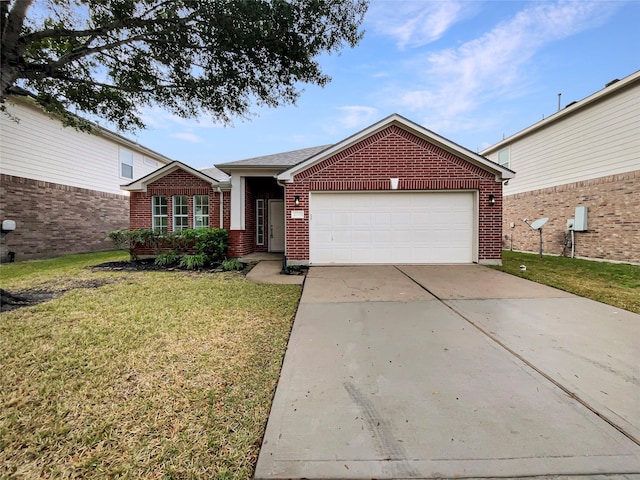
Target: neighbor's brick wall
x=53, y=219
x=396, y=153
x=613, y=219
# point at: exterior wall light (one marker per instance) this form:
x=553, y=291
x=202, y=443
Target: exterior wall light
x=492, y=200
x=296, y=200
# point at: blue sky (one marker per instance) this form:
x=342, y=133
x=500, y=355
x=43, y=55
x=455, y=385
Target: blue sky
x=471, y=71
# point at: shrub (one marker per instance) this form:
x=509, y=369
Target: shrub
x=233, y=264
x=193, y=262
x=129, y=239
x=203, y=245
x=167, y=259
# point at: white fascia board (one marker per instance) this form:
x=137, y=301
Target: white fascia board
x=254, y=171
x=419, y=131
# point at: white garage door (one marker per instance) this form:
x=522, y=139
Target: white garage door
x=391, y=227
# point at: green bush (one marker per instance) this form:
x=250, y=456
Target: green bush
x=129, y=239
x=193, y=262
x=167, y=259
x=233, y=264
x=202, y=246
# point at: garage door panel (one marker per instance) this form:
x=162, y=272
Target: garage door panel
x=391, y=227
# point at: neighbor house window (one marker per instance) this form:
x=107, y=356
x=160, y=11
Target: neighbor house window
x=159, y=212
x=201, y=211
x=126, y=163
x=180, y=213
x=504, y=157
x=260, y=221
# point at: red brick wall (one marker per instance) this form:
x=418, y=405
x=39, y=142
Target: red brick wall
x=613, y=219
x=396, y=153
x=53, y=219
x=177, y=182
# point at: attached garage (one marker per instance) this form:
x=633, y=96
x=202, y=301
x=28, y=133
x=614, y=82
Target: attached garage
x=394, y=193
x=391, y=227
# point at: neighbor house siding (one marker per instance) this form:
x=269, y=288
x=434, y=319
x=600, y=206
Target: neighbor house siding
x=61, y=186
x=395, y=153
x=601, y=139
x=38, y=147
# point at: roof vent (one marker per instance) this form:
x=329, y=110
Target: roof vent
x=569, y=104
x=615, y=80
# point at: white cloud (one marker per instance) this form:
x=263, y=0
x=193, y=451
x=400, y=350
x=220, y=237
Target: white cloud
x=158, y=118
x=457, y=80
x=354, y=116
x=187, y=137
x=415, y=23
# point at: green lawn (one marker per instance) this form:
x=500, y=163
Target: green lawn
x=612, y=283
x=150, y=375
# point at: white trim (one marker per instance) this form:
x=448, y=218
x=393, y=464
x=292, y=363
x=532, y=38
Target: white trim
x=237, y=202
x=153, y=212
x=181, y=215
x=395, y=119
x=260, y=215
x=221, y=207
x=208, y=215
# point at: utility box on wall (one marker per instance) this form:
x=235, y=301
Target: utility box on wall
x=580, y=222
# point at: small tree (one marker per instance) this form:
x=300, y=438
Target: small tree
x=130, y=239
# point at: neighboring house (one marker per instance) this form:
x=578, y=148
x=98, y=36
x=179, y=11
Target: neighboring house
x=61, y=186
x=392, y=193
x=585, y=155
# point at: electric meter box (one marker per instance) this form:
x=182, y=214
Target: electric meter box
x=580, y=219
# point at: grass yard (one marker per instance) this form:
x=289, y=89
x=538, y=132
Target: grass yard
x=140, y=375
x=612, y=283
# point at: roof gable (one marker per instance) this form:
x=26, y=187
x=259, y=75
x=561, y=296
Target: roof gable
x=501, y=173
x=141, y=184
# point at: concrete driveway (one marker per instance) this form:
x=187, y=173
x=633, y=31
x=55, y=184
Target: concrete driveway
x=453, y=372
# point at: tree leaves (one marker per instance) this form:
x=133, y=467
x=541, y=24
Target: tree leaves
x=218, y=57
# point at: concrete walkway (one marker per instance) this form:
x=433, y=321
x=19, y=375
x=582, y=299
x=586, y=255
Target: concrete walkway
x=453, y=372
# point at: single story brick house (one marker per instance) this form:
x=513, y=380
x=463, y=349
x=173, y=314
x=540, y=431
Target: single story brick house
x=394, y=192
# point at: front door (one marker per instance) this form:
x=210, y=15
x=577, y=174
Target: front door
x=276, y=225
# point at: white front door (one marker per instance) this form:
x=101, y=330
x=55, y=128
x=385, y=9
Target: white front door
x=276, y=225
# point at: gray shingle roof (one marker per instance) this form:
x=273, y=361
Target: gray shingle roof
x=216, y=174
x=285, y=159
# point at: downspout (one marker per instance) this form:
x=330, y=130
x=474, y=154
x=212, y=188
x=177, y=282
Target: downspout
x=285, y=268
x=221, y=207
